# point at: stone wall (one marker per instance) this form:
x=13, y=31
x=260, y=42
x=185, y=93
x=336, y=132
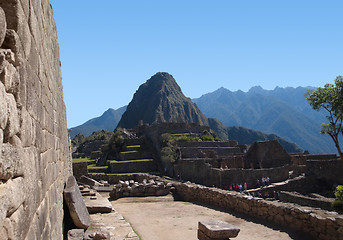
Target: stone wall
x=300, y=159
x=79, y=169
x=193, y=152
x=329, y=171
x=132, y=166
x=318, y=224
x=316, y=202
x=199, y=171
x=35, y=159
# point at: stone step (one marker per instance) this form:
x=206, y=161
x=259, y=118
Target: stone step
x=132, y=155
x=208, y=144
x=210, y=152
x=132, y=148
x=100, y=169
x=134, y=141
x=142, y=165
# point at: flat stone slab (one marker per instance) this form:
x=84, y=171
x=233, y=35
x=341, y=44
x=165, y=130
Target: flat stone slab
x=76, y=204
x=89, y=181
x=98, y=205
x=216, y=229
x=203, y=236
x=115, y=224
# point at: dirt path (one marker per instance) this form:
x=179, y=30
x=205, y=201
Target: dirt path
x=156, y=218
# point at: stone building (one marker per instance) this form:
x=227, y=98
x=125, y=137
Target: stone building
x=35, y=158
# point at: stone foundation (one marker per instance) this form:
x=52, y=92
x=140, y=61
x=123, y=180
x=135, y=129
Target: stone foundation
x=198, y=171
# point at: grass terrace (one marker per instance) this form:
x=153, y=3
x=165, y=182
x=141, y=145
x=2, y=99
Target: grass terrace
x=133, y=146
x=76, y=160
x=130, y=161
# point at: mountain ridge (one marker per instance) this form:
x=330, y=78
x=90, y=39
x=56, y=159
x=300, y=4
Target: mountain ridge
x=107, y=121
x=160, y=99
x=282, y=111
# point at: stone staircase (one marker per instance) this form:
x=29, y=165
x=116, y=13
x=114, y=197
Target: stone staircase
x=135, y=158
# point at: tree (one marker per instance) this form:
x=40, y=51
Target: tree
x=330, y=98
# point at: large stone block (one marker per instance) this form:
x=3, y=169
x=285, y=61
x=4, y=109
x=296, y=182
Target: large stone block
x=76, y=205
x=75, y=234
x=3, y=107
x=13, y=125
x=11, y=161
x=217, y=229
x=11, y=197
x=3, y=26
x=9, y=76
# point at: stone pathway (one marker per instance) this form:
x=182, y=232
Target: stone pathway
x=115, y=224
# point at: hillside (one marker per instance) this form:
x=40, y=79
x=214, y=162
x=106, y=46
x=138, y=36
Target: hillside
x=160, y=99
x=248, y=136
x=107, y=121
x=282, y=111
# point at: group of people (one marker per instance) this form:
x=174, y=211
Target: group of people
x=238, y=187
x=265, y=181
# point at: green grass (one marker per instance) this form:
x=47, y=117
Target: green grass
x=76, y=160
x=93, y=166
x=133, y=146
x=130, y=161
x=133, y=151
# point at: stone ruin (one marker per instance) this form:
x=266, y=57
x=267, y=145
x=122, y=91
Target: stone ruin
x=145, y=188
x=35, y=159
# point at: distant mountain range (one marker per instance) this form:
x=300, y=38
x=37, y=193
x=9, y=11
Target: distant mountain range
x=282, y=111
x=247, y=136
x=107, y=121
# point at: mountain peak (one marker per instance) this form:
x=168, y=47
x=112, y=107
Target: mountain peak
x=160, y=97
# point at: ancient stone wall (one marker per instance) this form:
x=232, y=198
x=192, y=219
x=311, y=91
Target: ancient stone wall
x=199, y=171
x=79, y=169
x=318, y=224
x=35, y=159
x=300, y=159
x=329, y=171
x=133, y=166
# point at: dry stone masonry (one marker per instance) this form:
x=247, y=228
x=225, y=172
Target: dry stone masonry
x=35, y=159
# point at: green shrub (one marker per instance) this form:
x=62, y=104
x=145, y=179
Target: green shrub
x=339, y=193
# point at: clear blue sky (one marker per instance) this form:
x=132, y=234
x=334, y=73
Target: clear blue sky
x=109, y=47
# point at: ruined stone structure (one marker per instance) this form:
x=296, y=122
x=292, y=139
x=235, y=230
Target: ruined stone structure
x=35, y=158
x=266, y=154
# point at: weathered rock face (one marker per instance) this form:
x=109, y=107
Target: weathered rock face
x=161, y=99
x=35, y=158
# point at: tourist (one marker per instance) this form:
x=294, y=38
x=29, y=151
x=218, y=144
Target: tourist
x=240, y=187
x=245, y=186
x=268, y=180
x=263, y=182
x=230, y=188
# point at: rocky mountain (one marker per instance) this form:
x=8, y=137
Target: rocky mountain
x=107, y=121
x=160, y=99
x=282, y=111
x=248, y=136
